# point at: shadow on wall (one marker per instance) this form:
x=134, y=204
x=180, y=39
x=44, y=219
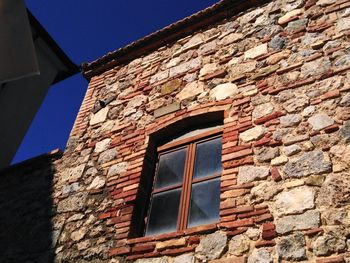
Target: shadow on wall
x=26, y=209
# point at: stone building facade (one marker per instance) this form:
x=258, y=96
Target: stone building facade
x=271, y=78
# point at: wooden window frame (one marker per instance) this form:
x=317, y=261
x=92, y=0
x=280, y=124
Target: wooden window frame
x=186, y=185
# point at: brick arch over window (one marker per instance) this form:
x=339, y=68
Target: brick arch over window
x=163, y=135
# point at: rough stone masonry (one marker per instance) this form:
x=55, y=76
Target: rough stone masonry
x=279, y=71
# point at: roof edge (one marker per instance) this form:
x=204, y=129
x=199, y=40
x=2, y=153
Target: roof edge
x=41, y=31
x=182, y=28
x=52, y=155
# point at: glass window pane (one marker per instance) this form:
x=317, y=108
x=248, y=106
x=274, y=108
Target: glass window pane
x=164, y=212
x=208, y=159
x=205, y=202
x=171, y=168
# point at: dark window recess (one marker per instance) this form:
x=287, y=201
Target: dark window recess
x=186, y=188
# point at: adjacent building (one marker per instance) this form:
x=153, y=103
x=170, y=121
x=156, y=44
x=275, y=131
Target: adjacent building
x=223, y=137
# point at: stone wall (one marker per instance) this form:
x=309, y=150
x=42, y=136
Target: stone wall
x=278, y=74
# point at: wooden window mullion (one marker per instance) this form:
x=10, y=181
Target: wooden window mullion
x=187, y=186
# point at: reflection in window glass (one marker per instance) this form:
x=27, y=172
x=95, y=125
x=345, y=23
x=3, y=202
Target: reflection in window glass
x=171, y=168
x=208, y=159
x=164, y=212
x=204, y=203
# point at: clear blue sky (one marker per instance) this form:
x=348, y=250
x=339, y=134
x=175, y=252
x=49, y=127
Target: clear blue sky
x=86, y=30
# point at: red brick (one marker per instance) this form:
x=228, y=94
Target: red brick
x=201, y=229
x=255, y=213
x=337, y=259
x=265, y=243
x=244, y=161
x=216, y=74
x=177, y=251
x=263, y=217
x=238, y=223
x=230, y=260
x=268, y=226
x=236, y=231
x=236, y=155
x=313, y=231
x=143, y=247
x=143, y=255
x=332, y=128
x=269, y=117
x=275, y=174
x=193, y=240
x=236, y=210
x=269, y=234
x=119, y=251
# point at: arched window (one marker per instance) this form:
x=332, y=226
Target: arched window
x=182, y=190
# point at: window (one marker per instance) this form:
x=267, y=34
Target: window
x=186, y=187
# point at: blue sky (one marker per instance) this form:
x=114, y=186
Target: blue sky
x=86, y=30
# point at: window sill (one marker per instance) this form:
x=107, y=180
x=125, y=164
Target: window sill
x=165, y=236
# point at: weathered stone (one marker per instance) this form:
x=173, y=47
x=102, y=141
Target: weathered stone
x=102, y=145
x=159, y=76
x=328, y=244
x=277, y=43
x=152, y=260
x=325, y=2
x=72, y=203
x=291, y=247
x=295, y=201
x=190, y=90
x=185, y=258
x=167, y=109
x=252, y=134
x=231, y=38
x=242, y=68
x=78, y=234
x=155, y=104
x=279, y=160
x=296, y=25
x=266, y=154
x=291, y=150
x=345, y=131
x=336, y=216
x=137, y=101
x=250, y=16
x=117, y=168
x=335, y=191
x=212, y=246
x=100, y=116
x=287, y=17
x=291, y=139
x=185, y=67
x=316, y=67
x=277, y=57
x=253, y=233
x=208, y=69
x=307, y=220
x=75, y=173
x=345, y=101
x=260, y=256
x=296, y=104
x=70, y=188
x=170, y=86
x=256, y=51
x=262, y=110
x=252, y=173
x=342, y=61
x=315, y=162
x=290, y=120
x=265, y=71
x=107, y=156
x=97, y=183
x=343, y=24
x=238, y=245
x=264, y=191
x=315, y=180
x=320, y=121
x=223, y=91
x=308, y=111
x=194, y=42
